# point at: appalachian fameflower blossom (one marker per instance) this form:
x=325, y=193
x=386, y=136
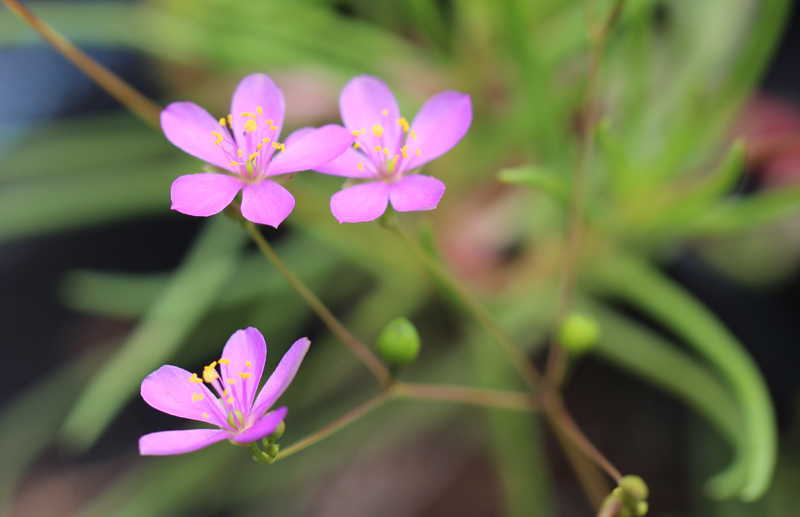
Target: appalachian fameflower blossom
x=244, y=147
x=387, y=149
x=224, y=397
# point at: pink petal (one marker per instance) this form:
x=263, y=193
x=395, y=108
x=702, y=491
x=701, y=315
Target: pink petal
x=311, y=149
x=169, y=390
x=266, y=202
x=190, y=128
x=204, y=194
x=360, y=203
x=416, y=192
x=245, y=347
x=297, y=134
x=347, y=165
x=281, y=377
x=362, y=103
x=441, y=122
x=254, y=91
x=263, y=428
x=167, y=443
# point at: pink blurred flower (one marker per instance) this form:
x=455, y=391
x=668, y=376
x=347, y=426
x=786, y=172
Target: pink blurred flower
x=388, y=148
x=231, y=406
x=244, y=145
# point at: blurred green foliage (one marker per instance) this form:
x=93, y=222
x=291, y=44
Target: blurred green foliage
x=674, y=75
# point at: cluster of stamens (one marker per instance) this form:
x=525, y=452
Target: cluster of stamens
x=389, y=162
x=225, y=406
x=251, y=162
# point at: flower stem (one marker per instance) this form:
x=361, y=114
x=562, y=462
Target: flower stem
x=340, y=331
x=557, y=357
x=523, y=365
x=336, y=425
x=499, y=399
x=129, y=97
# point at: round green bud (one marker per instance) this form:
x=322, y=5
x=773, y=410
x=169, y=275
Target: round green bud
x=635, y=488
x=399, y=342
x=578, y=333
x=641, y=508
x=277, y=433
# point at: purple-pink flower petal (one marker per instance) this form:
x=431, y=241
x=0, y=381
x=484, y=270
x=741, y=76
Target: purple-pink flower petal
x=263, y=428
x=347, y=165
x=170, y=390
x=266, y=202
x=416, y=192
x=191, y=129
x=440, y=124
x=204, y=194
x=360, y=203
x=167, y=443
x=254, y=91
x=298, y=134
x=281, y=377
x=362, y=103
x=245, y=353
x=311, y=149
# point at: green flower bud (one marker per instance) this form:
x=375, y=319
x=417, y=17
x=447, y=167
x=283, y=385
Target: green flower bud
x=399, y=342
x=635, y=488
x=641, y=508
x=578, y=333
x=276, y=434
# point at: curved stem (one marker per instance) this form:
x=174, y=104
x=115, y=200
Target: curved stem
x=129, y=97
x=340, y=331
x=523, y=365
x=466, y=395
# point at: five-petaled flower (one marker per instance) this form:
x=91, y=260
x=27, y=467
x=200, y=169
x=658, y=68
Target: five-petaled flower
x=232, y=405
x=387, y=148
x=243, y=145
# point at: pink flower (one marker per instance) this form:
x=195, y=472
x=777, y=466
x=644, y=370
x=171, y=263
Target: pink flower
x=244, y=144
x=387, y=149
x=230, y=406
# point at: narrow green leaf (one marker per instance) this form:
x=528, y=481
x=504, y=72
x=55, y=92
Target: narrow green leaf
x=555, y=186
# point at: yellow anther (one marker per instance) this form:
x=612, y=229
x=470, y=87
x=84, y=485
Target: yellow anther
x=230, y=120
x=197, y=396
x=218, y=136
x=232, y=164
x=230, y=400
x=276, y=145
x=252, y=157
x=205, y=415
x=273, y=127
x=259, y=110
x=414, y=135
x=222, y=122
x=378, y=148
x=404, y=150
x=266, y=140
x=212, y=365
x=248, y=364
x=226, y=392
x=358, y=133
x=270, y=122
x=231, y=381
x=258, y=147
x=250, y=126
x=245, y=375
x=356, y=145
x=360, y=166
x=283, y=147
x=196, y=379
x=394, y=160
x=418, y=153
x=403, y=123
x=386, y=151
x=210, y=375
x=248, y=114
x=224, y=361
x=239, y=152
x=385, y=112
x=377, y=130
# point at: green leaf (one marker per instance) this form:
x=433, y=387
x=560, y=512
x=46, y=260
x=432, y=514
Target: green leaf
x=555, y=186
x=190, y=293
x=741, y=214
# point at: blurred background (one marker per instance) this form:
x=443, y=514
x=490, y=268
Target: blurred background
x=100, y=283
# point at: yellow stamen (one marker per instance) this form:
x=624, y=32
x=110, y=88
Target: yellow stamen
x=276, y=145
x=378, y=148
x=360, y=166
x=196, y=379
x=230, y=120
x=394, y=160
x=232, y=164
x=385, y=112
x=414, y=135
x=197, y=396
x=356, y=145
x=222, y=122
x=239, y=152
x=259, y=110
x=250, y=126
x=358, y=133
x=210, y=374
x=205, y=415
x=386, y=151
x=377, y=130
x=230, y=400
x=252, y=157
x=226, y=392
x=273, y=127
x=231, y=381
x=245, y=375
x=248, y=364
x=404, y=150
x=418, y=153
x=266, y=140
x=248, y=114
x=270, y=122
x=403, y=123
x=218, y=136
x=224, y=361
x=258, y=147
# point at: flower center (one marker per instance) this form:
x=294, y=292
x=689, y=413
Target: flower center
x=233, y=390
x=390, y=161
x=252, y=150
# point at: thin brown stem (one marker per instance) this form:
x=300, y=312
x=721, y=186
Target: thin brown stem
x=340, y=331
x=557, y=357
x=466, y=395
x=521, y=362
x=336, y=425
x=590, y=477
x=129, y=97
